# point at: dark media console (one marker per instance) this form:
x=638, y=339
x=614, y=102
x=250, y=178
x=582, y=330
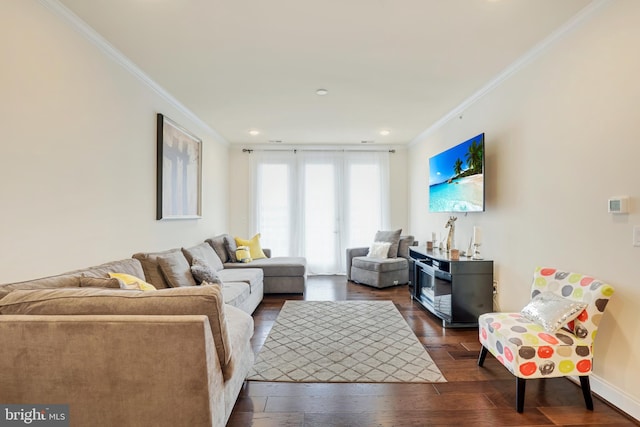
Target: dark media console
x=455, y=291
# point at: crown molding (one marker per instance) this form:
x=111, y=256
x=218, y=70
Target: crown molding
x=578, y=19
x=118, y=57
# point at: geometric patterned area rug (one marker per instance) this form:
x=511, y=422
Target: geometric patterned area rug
x=343, y=341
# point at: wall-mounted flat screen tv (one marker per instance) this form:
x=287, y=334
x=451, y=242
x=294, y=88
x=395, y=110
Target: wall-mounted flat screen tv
x=456, y=178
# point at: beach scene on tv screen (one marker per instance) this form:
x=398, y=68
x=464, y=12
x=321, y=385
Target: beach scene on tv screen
x=456, y=178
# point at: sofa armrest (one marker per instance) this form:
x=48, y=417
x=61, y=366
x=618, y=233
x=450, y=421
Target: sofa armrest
x=267, y=252
x=352, y=253
x=120, y=370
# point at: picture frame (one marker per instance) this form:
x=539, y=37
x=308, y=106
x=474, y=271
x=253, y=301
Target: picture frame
x=179, y=171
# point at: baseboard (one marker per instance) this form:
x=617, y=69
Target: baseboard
x=613, y=395
x=618, y=398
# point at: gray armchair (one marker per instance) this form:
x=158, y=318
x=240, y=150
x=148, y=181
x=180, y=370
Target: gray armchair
x=380, y=273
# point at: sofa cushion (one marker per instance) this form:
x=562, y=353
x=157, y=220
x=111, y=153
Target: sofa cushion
x=275, y=267
x=61, y=281
x=235, y=293
x=127, y=266
x=152, y=272
x=251, y=276
x=72, y=279
x=241, y=328
x=381, y=265
x=392, y=237
x=99, y=282
x=176, y=269
x=205, y=252
x=202, y=300
x=217, y=243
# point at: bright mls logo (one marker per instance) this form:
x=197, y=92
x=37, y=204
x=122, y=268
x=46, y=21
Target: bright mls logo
x=34, y=415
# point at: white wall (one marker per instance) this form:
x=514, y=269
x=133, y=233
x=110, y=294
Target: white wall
x=240, y=176
x=561, y=138
x=77, y=162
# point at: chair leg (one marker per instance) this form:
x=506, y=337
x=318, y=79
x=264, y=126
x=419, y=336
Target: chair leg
x=586, y=391
x=520, y=385
x=483, y=354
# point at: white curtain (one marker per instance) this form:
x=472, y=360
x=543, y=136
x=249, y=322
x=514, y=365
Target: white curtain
x=318, y=203
x=274, y=199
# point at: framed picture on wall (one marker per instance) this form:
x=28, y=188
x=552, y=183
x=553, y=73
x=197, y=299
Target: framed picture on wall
x=179, y=172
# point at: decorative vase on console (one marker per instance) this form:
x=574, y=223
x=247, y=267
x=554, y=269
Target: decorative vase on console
x=477, y=241
x=469, y=252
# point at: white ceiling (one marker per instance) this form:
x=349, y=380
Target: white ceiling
x=388, y=64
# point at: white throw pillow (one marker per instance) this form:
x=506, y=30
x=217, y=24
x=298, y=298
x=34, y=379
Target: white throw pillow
x=379, y=250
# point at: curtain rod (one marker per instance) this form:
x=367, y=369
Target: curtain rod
x=295, y=150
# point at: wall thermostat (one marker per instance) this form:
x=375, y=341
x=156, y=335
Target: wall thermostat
x=619, y=205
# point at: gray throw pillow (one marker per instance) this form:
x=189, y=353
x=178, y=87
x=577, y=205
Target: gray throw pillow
x=403, y=246
x=392, y=237
x=230, y=245
x=217, y=243
x=203, y=272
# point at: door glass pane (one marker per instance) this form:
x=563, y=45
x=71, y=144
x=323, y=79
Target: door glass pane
x=364, y=212
x=274, y=208
x=320, y=217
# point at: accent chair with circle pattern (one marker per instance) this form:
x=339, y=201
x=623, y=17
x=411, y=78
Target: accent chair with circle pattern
x=530, y=346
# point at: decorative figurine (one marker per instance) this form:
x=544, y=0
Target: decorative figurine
x=452, y=229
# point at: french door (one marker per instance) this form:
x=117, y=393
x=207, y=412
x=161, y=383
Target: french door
x=317, y=203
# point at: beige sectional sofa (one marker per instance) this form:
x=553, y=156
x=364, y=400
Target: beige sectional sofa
x=175, y=356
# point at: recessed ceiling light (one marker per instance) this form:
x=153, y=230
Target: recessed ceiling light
x=385, y=132
x=322, y=92
x=254, y=132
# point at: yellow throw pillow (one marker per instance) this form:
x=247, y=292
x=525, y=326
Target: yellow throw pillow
x=133, y=282
x=243, y=254
x=254, y=246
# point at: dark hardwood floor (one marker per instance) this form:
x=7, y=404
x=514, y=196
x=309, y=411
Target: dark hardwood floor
x=473, y=396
